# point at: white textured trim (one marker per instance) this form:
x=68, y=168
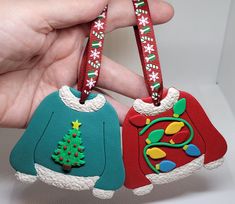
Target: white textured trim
x=102, y=194
x=73, y=102
x=143, y=190
x=178, y=173
x=60, y=180
x=150, y=109
x=214, y=164
x=25, y=178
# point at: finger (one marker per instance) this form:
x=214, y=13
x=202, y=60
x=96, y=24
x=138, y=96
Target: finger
x=121, y=13
x=117, y=78
x=64, y=13
x=120, y=108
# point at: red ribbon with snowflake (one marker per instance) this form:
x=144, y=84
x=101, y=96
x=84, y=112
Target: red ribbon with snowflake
x=148, y=51
x=91, y=62
x=147, y=47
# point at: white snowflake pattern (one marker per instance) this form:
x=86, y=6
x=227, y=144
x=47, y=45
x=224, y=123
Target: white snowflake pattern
x=87, y=92
x=99, y=25
x=90, y=83
x=155, y=96
x=143, y=21
x=153, y=76
x=95, y=54
x=148, y=48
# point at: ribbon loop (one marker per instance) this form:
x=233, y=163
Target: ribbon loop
x=146, y=42
x=148, y=51
x=91, y=62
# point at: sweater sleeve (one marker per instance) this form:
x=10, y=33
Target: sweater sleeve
x=22, y=155
x=112, y=177
x=134, y=175
x=216, y=145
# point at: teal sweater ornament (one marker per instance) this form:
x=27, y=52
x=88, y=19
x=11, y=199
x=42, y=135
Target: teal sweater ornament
x=71, y=145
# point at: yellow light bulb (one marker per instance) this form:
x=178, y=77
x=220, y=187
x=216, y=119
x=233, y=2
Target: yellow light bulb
x=174, y=128
x=155, y=153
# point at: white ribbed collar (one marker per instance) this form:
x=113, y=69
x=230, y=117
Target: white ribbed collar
x=149, y=109
x=72, y=101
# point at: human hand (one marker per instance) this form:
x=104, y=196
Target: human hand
x=41, y=45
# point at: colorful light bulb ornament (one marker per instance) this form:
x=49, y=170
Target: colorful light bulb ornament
x=167, y=136
x=140, y=121
x=192, y=150
x=179, y=107
x=166, y=166
x=154, y=136
x=179, y=137
x=176, y=128
x=86, y=155
x=155, y=153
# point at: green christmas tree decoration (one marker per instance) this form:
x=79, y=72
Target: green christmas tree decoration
x=69, y=152
x=155, y=136
x=179, y=107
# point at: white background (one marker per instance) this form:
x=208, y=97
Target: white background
x=196, y=50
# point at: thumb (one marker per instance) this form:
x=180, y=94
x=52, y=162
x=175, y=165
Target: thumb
x=67, y=13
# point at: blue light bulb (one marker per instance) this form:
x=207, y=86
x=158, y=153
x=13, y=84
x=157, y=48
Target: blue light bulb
x=192, y=150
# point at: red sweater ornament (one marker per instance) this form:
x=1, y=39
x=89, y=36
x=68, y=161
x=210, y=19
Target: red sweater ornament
x=160, y=145
x=167, y=136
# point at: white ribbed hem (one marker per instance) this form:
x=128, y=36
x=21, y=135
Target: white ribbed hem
x=214, y=164
x=25, y=178
x=143, y=190
x=178, y=173
x=60, y=180
x=63, y=181
x=102, y=194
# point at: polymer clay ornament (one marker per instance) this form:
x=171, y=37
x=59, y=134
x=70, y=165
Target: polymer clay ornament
x=70, y=143
x=167, y=136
